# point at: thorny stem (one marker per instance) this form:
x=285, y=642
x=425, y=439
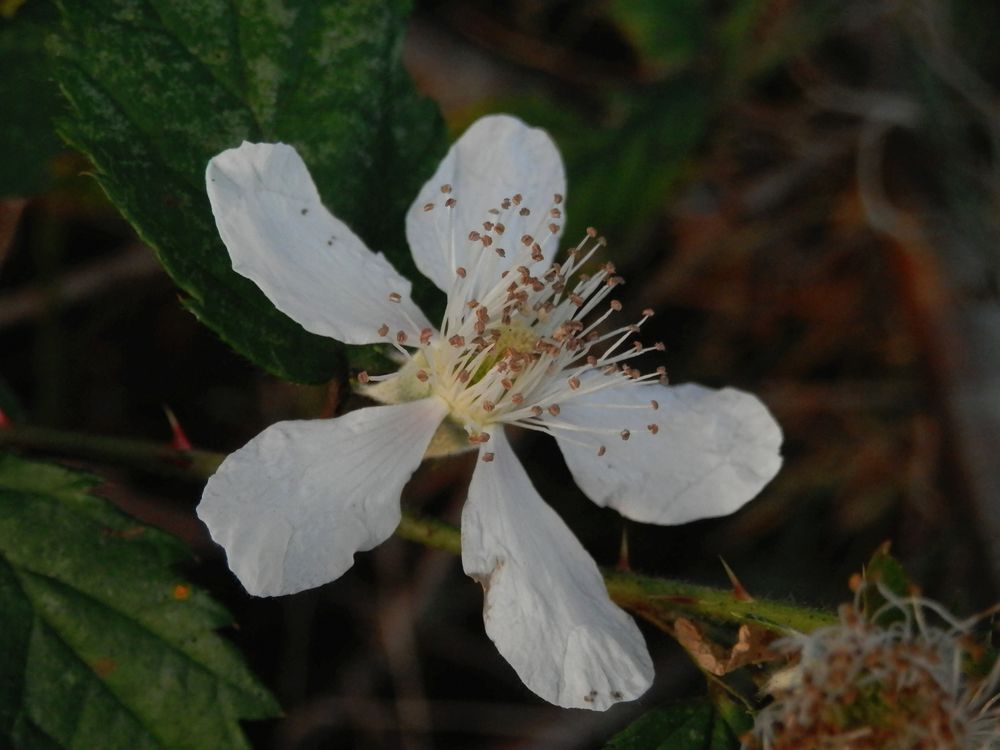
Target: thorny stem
x=657, y=600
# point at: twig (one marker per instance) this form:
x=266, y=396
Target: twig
x=657, y=600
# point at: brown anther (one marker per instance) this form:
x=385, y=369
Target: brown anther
x=576, y=299
x=425, y=335
x=554, y=410
x=591, y=360
x=601, y=451
x=428, y=206
x=654, y=428
x=637, y=346
x=488, y=226
x=616, y=305
x=632, y=328
x=648, y=312
x=486, y=240
x=474, y=235
x=446, y=188
x=363, y=377
x=555, y=213
x=422, y=376
x=517, y=198
x=536, y=411
x=655, y=404
x=456, y=340
x=625, y=434
x=383, y=330
x=660, y=346
x=524, y=211
x=662, y=372
x=517, y=399
x=614, y=281
x=488, y=457
x=574, y=383
x=591, y=232
x=489, y=406
x=501, y=252
x=557, y=198
x=505, y=204
x=461, y=272
x=472, y=304
x=609, y=268
x=527, y=239
x=553, y=228
x=401, y=337
x=450, y=203
x=507, y=383
x=493, y=211
x=499, y=228
x=536, y=253
x=395, y=297
x=479, y=438
x=463, y=376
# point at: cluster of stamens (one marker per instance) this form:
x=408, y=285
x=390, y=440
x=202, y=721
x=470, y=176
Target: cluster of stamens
x=519, y=339
x=863, y=686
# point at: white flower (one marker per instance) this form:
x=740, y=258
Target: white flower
x=518, y=346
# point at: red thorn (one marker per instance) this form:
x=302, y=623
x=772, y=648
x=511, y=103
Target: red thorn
x=5, y=421
x=179, y=440
x=738, y=589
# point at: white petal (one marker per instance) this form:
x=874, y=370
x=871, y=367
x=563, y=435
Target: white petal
x=546, y=606
x=308, y=262
x=715, y=450
x=496, y=158
x=293, y=505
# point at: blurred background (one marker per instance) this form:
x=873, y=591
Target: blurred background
x=807, y=192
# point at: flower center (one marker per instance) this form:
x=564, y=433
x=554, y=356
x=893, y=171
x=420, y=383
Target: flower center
x=521, y=337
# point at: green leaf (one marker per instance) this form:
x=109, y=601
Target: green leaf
x=102, y=644
x=668, y=34
x=30, y=100
x=691, y=725
x=158, y=87
x=886, y=572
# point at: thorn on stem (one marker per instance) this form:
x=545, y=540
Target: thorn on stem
x=739, y=591
x=179, y=440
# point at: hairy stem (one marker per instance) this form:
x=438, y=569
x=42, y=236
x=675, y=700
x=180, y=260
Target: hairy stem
x=658, y=600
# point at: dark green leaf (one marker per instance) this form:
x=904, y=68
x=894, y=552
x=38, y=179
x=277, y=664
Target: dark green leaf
x=158, y=87
x=668, y=34
x=886, y=572
x=692, y=725
x=102, y=644
x=30, y=101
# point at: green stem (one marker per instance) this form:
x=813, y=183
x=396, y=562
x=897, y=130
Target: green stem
x=658, y=600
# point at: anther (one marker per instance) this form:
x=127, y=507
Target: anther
x=401, y=337
x=576, y=299
x=428, y=206
x=450, y=203
x=425, y=336
x=461, y=272
x=362, y=377
x=655, y=404
x=517, y=399
x=637, y=346
x=554, y=410
x=499, y=228
x=457, y=340
x=616, y=305
x=591, y=232
x=555, y=213
x=395, y=297
x=601, y=451
x=488, y=226
x=574, y=383
x=648, y=312
x=557, y=198
x=446, y=188
x=489, y=406
x=614, y=281
x=654, y=428
x=516, y=198
x=505, y=204
x=473, y=235
x=659, y=346
x=536, y=411
x=383, y=330
x=486, y=240
x=527, y=239
x=553, y=228
x=422, y=376
x=488, y=457
x=625, y=434
x=479, y=438
x=524, y=211
x=501, y=252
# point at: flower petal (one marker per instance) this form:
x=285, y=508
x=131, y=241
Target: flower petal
x=496, y=158
x=293, y=505
x=546, y=606
x=308, y=262
x=713, y=451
